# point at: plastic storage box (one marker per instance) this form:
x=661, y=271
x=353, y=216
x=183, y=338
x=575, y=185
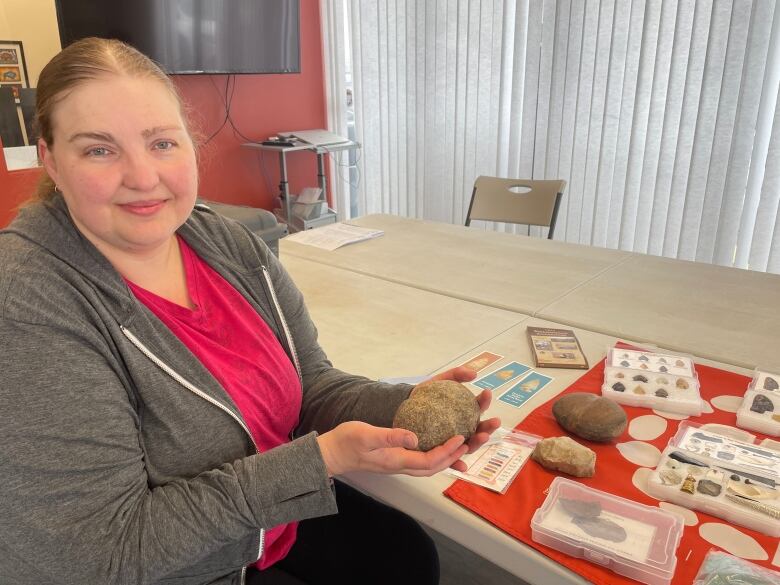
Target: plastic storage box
x=724, y=473
x=652, y=380
x=760, y=408
x=629, y=538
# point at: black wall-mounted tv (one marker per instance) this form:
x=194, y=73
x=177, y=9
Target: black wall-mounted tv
x=194, y=36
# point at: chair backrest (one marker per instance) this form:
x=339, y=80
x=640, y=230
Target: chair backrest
x=27, y=103
x=534, y=202
x=10, y=129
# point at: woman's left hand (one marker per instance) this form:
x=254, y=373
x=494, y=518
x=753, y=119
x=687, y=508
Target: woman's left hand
x=486, y=427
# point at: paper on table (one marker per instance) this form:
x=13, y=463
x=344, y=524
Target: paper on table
x=334, y=236
x=496, y=463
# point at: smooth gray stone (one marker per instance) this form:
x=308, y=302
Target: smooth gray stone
x=601, y=528
x=581, y=508
x=590, y=416
x=710, y=488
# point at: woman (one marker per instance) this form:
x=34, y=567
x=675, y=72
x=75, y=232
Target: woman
x=166, y=414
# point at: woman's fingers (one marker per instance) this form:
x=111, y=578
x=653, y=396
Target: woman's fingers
x=459, y=374
x=483, y=399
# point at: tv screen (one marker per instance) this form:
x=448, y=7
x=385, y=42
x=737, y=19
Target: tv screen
x=194, y=36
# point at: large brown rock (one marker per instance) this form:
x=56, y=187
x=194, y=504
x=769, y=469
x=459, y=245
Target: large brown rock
x=437, y=411
x=590, y=416
x=564, y=454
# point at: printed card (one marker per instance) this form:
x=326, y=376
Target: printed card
x=481, y=361
x=497, y=462
x=727, y=451
x=525, y=389
x=501, y=376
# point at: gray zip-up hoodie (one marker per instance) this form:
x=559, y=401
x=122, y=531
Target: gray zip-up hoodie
x=122, y=458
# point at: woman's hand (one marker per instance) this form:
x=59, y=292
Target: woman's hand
x=358, y=446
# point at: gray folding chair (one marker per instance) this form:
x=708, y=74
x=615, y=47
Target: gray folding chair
x=523, y=201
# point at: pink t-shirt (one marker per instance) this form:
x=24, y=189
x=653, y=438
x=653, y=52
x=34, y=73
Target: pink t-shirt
x=239, y=349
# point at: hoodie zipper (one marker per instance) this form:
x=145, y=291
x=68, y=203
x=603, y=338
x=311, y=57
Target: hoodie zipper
x=192, y=388
x=283, y=321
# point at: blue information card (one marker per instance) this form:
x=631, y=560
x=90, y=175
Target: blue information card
x=526, y=388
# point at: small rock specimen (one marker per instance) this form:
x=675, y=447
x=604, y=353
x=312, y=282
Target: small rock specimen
x=581, y=508
x=639, y=378
x=620, y=375
x=776, y=417
x=661, y=361
x=643, y=366
x=639, y=390
x=644, y=358
x=618, y=387
x=663, y=369
x=625, y=364
x=566, y=455
x=762, y=404
x=662, y=380
x=590, y=416
x=679, y=364
x=670, y=477
x=707, y=487
x=437, y=411
x=681, y=384
x=770, y=383
x=601, y=528
x=661, y=393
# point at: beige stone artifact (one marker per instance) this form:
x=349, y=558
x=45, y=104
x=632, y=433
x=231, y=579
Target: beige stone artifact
x=566, y=455
x=437, y=411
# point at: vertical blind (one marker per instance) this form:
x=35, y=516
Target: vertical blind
x=661, y=115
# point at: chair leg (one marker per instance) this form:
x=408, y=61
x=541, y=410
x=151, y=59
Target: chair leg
x=554, y=217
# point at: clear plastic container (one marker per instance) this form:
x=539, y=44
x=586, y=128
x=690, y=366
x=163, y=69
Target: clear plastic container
x=652, y=380
x=760, y=408
x=629, y=538
x=707, y=468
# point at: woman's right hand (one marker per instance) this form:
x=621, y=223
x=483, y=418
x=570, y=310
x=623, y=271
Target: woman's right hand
x=358, y=446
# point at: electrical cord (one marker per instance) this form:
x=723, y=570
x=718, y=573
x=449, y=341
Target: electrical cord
x=224, y=104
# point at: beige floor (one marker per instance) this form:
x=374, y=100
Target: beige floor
x=460, y=566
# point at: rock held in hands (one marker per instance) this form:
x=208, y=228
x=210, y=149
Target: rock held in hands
x=437, y=411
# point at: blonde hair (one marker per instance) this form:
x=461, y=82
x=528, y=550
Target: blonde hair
x=79, y=63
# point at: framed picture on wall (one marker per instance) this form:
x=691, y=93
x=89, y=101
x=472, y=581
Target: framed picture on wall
x=13, y=69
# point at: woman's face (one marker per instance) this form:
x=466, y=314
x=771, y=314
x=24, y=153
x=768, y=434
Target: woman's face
x=124, y=162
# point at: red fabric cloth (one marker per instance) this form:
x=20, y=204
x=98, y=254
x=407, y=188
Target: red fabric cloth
x=239, y=349
x=512, y=512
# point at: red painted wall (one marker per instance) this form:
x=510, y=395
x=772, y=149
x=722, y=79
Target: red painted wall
x=15, y=187
x=262, y=105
